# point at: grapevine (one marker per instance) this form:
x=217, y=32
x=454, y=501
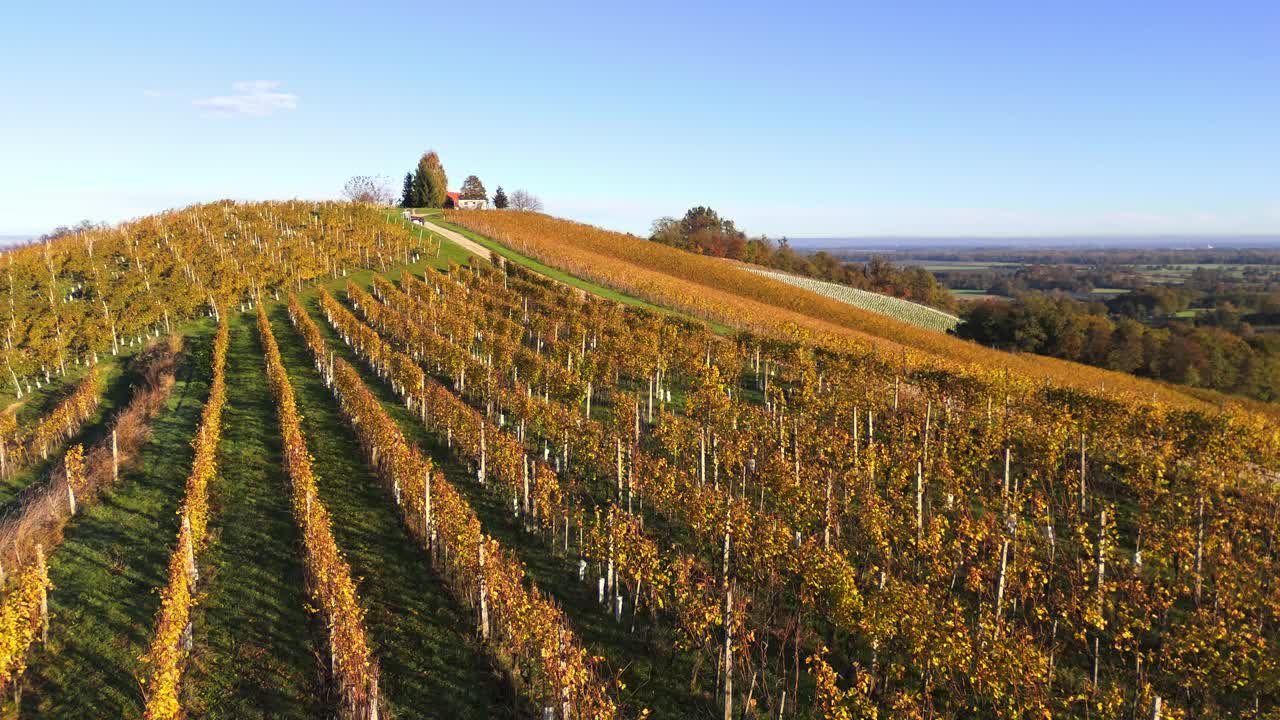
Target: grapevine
x=527, y=626
x=177, y=598
x=354, y=667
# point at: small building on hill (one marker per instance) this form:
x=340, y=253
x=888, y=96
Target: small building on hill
x=456, y=201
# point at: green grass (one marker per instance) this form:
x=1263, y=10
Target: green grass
x=656, y=680
x=115, y=555
x=958, y=265
x=254, y=653
x=35, y=404
x=431, y=663
x=973, y=296
x=114, y=396
x=449, y=251
x=577, y=282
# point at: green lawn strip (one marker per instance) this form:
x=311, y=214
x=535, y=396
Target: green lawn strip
x=115, y=395
x=40, y=400
x=106, y=572
x=750, y=393
x=364, y=278
x=255, y=644
x=431, y=663
x=449, y=251
x=659, y=681
x=577, y=282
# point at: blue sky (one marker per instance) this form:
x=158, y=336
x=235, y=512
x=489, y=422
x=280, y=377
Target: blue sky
x=800, y=119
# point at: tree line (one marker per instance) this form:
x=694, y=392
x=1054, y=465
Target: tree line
x=1180, y=351
x=1204, y=327
x=703, y=231
x=427, y=186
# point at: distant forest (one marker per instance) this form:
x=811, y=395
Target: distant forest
x=1219, y=348
x=1205, y=318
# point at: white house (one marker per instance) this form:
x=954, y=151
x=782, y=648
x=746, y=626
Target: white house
x=461, y=203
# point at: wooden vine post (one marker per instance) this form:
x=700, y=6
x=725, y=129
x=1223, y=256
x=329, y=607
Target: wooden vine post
x=728, y=618
x=44, y=596
x=484, y=597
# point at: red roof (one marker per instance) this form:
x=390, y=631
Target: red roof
x=454, y=197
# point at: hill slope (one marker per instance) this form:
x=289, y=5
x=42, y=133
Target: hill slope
x=729, y=294
x=510, y=494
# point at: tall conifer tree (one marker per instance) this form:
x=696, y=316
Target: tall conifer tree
x=406, y=194
x=430, y=184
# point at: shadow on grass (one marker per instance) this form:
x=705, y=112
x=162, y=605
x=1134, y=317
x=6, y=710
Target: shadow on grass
x=118, y=380
x=115, y=555
x=431, y=664
x=655, y=676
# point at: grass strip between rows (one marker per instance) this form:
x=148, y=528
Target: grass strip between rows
x=173, y=627
x=353, y=666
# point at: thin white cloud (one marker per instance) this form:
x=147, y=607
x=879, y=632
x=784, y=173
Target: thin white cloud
x=253, y=98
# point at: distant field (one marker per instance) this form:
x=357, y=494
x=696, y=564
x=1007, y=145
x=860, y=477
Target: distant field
x=1157, y=273
x=1180, y=273
x=945, y=265
x=969, y=296
x=1169, y=274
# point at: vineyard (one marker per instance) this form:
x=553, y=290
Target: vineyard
x=724, y=293
x=299, y=460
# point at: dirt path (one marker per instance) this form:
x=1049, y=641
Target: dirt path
x=459, y=239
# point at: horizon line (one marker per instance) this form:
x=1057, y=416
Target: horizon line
x=1042, y=236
